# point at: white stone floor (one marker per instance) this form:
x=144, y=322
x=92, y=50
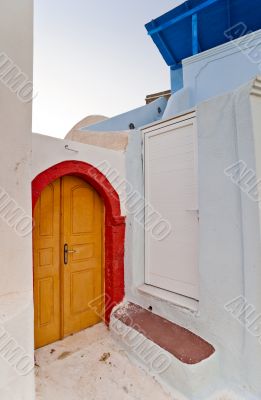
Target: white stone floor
x=91, y=366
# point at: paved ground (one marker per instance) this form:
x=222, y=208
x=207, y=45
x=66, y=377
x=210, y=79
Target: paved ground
x=91, y=366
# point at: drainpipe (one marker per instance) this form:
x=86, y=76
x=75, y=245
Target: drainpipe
x=176, y=77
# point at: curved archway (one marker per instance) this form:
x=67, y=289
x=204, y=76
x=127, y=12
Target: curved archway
x=114, y=223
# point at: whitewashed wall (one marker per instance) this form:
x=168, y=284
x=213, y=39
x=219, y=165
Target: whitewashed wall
x=223, y=68
x=217, y=71
x=230, y=252
x=16, y=306
x=138, y=117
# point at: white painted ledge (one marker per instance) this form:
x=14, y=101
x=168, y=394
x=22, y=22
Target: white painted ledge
x=243, y=43
x=173, y=298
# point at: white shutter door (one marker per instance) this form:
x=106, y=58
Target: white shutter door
x=171, y=189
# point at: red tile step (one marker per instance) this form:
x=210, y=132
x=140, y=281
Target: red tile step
x=180, y=342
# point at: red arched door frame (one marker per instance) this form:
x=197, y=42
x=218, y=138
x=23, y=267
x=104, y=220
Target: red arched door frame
x=114, y=223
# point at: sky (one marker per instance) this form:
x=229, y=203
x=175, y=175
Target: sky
x=93, y=57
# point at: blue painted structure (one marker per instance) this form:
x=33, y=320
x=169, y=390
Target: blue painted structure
x=193, y=39
x=199, y=25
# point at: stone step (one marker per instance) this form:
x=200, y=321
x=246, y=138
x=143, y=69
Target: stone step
x=181, y=361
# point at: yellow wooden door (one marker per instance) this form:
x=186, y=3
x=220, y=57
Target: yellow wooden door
x=68, y=259
x=47, y=266
x=82, y=222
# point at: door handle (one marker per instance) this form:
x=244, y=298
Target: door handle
x=66, y=251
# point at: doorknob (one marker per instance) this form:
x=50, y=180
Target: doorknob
x=66, y=251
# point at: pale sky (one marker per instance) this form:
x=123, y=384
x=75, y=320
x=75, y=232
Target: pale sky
x=93, y=57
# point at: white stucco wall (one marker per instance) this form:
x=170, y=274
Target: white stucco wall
x=217, y=71
x=48, y=151
x=138, y=117
x=16, y=301
x=223, y=68
x=230, y=252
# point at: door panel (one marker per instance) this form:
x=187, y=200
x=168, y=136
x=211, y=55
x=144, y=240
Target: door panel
x=82, y=221
x=46, y=238
x=69, y=211
x=171, y=189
